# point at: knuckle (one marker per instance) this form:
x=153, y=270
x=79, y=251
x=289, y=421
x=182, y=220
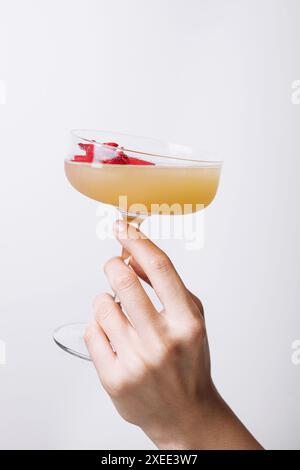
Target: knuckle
x=195, y=331
x=98, y=300
x=104, y=307
x=119, y=387
x=198, y=304
x=190, y=333
x=161, y=263
x=123, y=384
x=125, y=281
x=108, y=264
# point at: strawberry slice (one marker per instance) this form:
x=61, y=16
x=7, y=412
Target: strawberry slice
x=116, y=161
x=138, y=161
x=89, y=153
x=122, y=159
x=82, y=159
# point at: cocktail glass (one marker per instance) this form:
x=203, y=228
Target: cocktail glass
x=140, y=177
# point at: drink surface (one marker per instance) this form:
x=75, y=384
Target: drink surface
x=148, y=189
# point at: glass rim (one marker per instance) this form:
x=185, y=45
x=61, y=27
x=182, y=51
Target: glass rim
x=76, y=133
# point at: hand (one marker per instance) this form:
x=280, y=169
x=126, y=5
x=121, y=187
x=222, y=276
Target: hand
x=156, y=365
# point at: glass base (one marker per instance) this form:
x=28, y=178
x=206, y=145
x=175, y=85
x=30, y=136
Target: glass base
x=70, y=339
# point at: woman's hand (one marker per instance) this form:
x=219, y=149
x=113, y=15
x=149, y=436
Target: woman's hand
x=155, y=365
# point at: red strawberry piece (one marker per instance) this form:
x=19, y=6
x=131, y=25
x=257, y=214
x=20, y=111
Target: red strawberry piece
x=138, y=161
x=89, y=153
x=122, y=154
x=122, y=159
x=81, y=159
x=111, y=144
x=116, y=161
x=133, y=160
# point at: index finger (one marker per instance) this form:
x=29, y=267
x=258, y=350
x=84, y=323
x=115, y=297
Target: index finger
x=139, y=271
x=159, y=269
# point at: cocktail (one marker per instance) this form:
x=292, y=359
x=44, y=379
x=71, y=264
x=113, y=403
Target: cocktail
x=140, y=177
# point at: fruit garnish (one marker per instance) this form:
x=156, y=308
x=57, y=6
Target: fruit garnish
x=111, y=144
x=122, y=159
x=116, y=161
x=138, y=161
x=89, y=153
x=82, y=159
x=119, y=157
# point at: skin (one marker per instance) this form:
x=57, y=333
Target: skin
x=156, y=365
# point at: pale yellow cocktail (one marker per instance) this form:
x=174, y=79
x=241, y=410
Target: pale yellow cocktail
x=148, y=189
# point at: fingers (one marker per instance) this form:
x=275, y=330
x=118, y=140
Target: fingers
x=129, y=290
x=112, y=321
x=139, y=270
x=141, y=273
x=157, y=267
x=100, y=350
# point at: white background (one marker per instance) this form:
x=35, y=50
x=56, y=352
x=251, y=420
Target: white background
x=215, y=73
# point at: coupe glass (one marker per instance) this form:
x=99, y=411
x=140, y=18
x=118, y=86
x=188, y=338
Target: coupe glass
x=138, y=176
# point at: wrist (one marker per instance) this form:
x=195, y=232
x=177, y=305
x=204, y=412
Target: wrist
x=192, y=427
x=209, y=424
